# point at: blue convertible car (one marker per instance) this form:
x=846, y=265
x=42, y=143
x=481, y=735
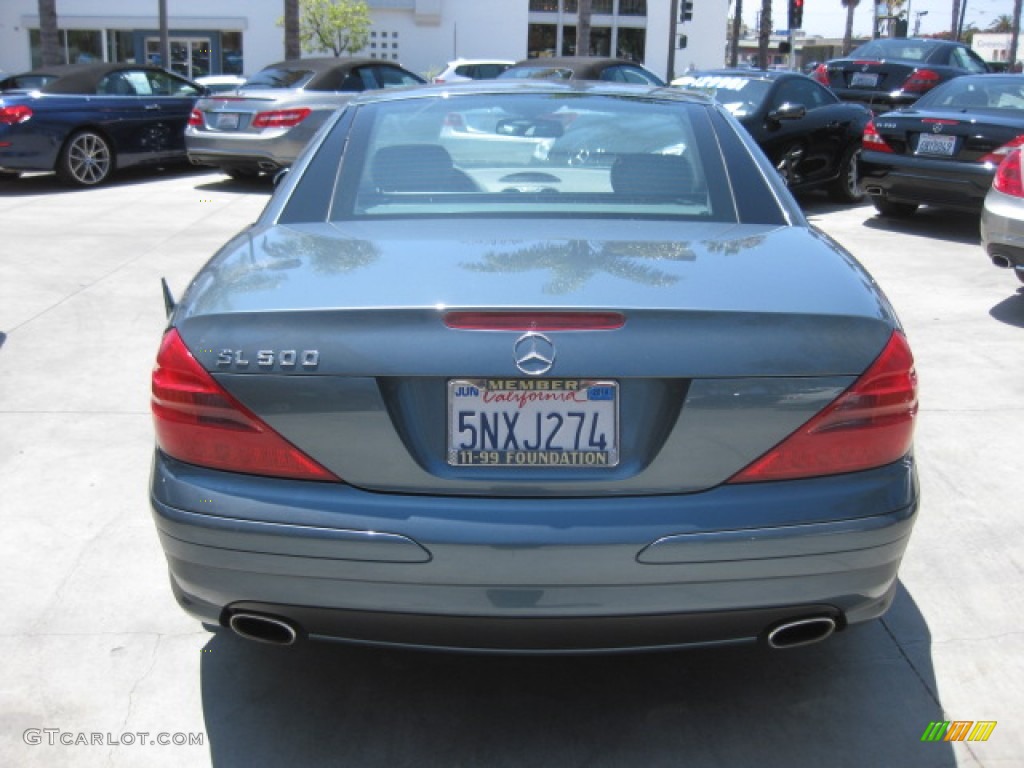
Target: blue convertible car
x=86, y=120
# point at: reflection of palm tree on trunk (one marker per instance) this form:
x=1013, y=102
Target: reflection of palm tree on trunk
x=572, y=263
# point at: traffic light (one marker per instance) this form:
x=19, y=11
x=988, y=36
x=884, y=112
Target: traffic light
x=796, y=14
x=686, y=12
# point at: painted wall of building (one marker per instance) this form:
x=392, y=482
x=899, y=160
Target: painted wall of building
x=430, y=32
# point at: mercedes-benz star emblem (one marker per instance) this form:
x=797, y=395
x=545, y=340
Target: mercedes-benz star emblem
x=534, y=353
x=937, y=128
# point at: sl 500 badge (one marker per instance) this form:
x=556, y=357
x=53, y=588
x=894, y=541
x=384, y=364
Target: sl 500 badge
x=269, y=358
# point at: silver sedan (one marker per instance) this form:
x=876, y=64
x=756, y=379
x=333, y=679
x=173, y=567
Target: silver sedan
x=264, y=125
x=1002, y=218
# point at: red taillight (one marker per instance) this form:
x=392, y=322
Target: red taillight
x=1008, y=178
x=195, y=119
x=996, y=156
x=534, y=321
x=198, y=422
x=821, y=74
x=870, y=425
x=281, y=118
x=921, y=80
x=17, y=113
x=873, y=140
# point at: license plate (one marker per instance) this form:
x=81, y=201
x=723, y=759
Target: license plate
x=930, y=144
x=864, y=80
x=526, y=423
x=226, y=121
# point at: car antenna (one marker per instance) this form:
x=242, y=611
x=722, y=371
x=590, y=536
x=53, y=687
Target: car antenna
x=169, y=303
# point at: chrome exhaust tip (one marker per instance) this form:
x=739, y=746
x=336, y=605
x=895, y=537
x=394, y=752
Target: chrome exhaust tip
x=793, y=634
x=1001, y=261
x=263, y=629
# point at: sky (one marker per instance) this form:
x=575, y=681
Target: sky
x=828, y=17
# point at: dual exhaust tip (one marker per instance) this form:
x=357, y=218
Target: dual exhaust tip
x=793, y=634
x=274, y=631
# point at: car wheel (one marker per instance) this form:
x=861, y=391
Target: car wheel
x=86, y=160
x=896, y=210
x=787, y=166
x=847, y=188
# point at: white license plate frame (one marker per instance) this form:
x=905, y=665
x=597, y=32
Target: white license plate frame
x=937, y=145
x=227, y=121
x=533, y=423
x=864, y=80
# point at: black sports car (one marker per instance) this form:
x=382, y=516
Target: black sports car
x=944, y=150
x=811, y=137
x=889, y=73
x=85, y=120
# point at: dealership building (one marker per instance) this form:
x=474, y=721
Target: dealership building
x=242, y=37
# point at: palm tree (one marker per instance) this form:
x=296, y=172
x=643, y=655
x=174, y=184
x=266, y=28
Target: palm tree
x=850, y=6
x=955, y=28
x=292, y=42
x=1002, y=23
x=734, y=44
x=764, y=33
x=1015, y=33
x=49, y=39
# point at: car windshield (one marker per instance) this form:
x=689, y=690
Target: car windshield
x=537, y=155
x=278, y=78
x=742, y=96
x=894, y=48
x=970, y=93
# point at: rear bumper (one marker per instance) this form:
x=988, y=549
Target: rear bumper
x=943, y=183
x=1002, y=228
x=552, y=575
x=877, y=102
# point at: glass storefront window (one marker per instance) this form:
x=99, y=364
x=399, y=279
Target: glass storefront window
x=544, y=6
x=78, y=46
x=231, y=53
x=631, y=44
x=568, y=40
x=632, y=8
x=601, y=7
x=120, y=45
x=542, y=40
x=600, y=41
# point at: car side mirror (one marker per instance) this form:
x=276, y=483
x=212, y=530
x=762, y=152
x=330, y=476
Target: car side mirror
x=280, y=175
x=787, y=111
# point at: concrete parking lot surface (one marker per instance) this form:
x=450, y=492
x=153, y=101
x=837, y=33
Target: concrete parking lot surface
x=99, y=665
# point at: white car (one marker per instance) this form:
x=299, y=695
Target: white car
x=461, y=70
x=220, y=83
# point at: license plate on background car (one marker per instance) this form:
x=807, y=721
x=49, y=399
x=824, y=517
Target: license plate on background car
x=930, y=144
x=226, y=121
x=864, y=79
x=533, y=423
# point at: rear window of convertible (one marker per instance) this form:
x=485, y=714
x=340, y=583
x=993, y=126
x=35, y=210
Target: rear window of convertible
x=533, y=155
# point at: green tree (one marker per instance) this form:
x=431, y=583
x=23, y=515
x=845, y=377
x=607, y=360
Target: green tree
x=49, y=39
x=338, y=26
x=1002, y=23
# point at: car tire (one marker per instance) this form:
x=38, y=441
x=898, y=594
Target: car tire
x=1020, y=274
x=895, y=210
x=847, y=187
x=787, y=163
x=87, y=159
